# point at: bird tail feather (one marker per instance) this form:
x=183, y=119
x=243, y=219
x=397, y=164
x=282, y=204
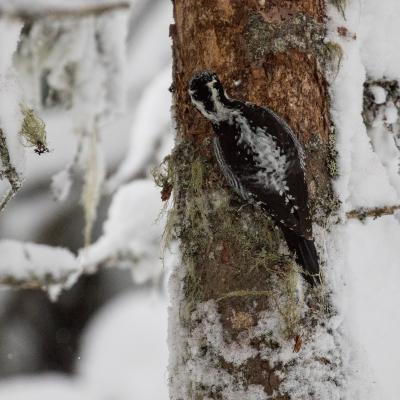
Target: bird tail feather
x=306, y=255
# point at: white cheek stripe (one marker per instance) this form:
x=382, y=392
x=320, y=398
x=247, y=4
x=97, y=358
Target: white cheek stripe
x=222, y=113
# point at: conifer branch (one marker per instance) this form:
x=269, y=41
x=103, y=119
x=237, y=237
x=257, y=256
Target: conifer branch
x=363, y=213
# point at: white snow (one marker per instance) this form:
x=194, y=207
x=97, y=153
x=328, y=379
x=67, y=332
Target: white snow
x=124, y=353
x=45, y=387
x=9, y=37
x=304, y=372
x=150, y=32
x=210, y=330
x=123, y=356
x=363, y=261
x=53, y=268
x=151, y=127
x=379, y=94
x=61, y=184
x=132, y=232
x=363, y=180
x=205, y=346
x=391, y=113
x=372, y=291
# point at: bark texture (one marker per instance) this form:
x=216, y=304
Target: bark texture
x=236, y=300
x=214, y=34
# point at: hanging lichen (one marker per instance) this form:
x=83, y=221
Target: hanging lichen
x=163, y=178
x=93, y=180
x=33, y=130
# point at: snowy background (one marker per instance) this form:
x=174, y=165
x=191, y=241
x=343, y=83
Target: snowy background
x=105, y=338
x=366, y=254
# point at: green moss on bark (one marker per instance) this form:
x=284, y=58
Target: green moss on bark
x=227, y=241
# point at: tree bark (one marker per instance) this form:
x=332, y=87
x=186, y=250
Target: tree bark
x=240, y=327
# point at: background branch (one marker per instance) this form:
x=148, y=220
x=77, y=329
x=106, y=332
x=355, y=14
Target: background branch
x=81, y=12
x=363, y=213
x=8, y=171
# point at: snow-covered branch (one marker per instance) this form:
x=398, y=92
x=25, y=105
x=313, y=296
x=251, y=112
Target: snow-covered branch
x=27, y=14
x=132, y=243
x=30, y=265
x=363, y=213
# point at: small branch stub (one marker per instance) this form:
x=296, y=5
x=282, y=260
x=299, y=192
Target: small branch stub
x=364, y=213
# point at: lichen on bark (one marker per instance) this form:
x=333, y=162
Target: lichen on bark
x=298, y=31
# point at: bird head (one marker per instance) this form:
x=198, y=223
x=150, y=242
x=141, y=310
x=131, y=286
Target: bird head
x=207, y=94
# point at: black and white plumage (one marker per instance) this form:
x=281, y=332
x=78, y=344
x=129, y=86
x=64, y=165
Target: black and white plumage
x=263, y=161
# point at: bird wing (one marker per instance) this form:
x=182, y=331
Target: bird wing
x=284, y=212
x=291, y=206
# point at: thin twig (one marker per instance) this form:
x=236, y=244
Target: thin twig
x=7, y=197
x=8, y=171
x=363, y=213
x=33, y=282
x=81, y=12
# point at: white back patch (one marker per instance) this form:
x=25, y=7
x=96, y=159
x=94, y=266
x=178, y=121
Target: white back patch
x=271, y=163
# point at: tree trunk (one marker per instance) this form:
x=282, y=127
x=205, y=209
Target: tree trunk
x=241, y=324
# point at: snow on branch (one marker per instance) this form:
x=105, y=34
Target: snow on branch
x=126, y=242
x=34, y=266
x=132, y=233
x=147, y=132
x=81, y=11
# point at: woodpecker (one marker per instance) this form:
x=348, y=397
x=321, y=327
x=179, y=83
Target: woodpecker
x=263, y=161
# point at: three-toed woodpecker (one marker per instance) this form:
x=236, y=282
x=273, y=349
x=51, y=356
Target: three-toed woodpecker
x=263, y=161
